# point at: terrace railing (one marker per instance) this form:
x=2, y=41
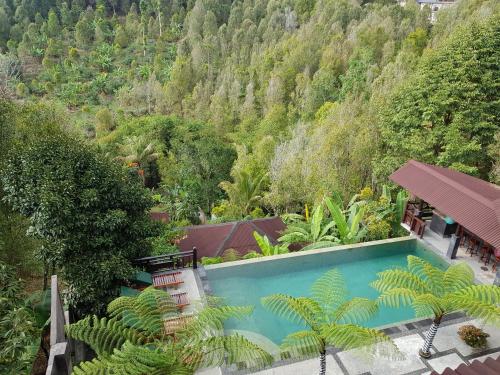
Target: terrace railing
x=184, y=259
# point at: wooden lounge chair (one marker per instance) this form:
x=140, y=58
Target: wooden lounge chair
x=171, y=326
x=166, y=280
x=496, y=259
x=181, y=300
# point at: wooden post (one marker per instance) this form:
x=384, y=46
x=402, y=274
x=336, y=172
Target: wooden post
x=195, y=257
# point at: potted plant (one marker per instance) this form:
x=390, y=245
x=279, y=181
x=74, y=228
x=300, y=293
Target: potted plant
x=473, y=336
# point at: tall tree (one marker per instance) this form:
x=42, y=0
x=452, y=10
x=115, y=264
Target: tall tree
x=90, y=213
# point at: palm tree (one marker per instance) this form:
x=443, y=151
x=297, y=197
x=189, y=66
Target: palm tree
x=331, y=319
x=267, y=248
x=138, y=338
x=245, y=192
x=314, y=232
x=433, y=292
x=138, y=151
x=349, y=229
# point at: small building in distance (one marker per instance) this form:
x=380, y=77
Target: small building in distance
x=212, y=240
x=434, y=5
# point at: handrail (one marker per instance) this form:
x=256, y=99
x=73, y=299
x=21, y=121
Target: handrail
x=181, y=259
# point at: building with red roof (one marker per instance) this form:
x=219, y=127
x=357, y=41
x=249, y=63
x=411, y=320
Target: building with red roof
x=213, y=239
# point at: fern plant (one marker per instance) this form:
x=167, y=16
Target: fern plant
x=135, y=339
x=433, y=292
x=331, y=319
x=267, y=248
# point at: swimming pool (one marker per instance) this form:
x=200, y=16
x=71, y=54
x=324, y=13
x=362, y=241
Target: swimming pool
x=245, y=282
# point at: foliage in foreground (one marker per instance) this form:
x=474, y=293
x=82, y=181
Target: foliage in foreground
x=331, y=319
x=433, y=292
x=20, y=325
x=133, y=337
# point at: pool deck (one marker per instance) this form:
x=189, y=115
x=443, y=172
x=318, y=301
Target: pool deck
x=448, y=349
x=439, y=245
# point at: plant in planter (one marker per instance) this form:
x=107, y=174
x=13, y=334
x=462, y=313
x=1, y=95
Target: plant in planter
x=473, y=336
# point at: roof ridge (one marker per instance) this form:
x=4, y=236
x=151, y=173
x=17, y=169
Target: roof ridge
x=472, y=193
x=231, y=233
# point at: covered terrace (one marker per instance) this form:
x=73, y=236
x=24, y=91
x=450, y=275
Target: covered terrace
x=457, y=214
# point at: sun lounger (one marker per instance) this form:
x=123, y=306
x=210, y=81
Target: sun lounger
x=167, y=280
x=173, y=325
x=181, y=300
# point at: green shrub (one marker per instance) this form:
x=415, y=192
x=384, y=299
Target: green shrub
x=251, y=255
x=211, y=260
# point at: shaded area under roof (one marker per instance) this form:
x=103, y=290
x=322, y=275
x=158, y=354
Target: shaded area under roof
x=473, y=203
x=211, y=240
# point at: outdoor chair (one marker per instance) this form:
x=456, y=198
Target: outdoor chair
x=486, y=252
x=496, y=259
x=165, y=280
x=472, y=247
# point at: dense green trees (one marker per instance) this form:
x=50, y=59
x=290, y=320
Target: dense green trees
x=447, y=113
x=89, y=213
x=320, y=94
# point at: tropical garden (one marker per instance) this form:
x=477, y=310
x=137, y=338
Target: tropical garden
x=214, y=111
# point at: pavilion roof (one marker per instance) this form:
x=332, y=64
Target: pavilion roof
x=470, y=201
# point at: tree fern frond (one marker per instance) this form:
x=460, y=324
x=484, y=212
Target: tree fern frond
x=330, y=290
x=397, y=297
x=104, y=335
x=133, y=360
x=356, y=310
x=303, y=344
x=458, y=276
x=482, y=293
x=426, y=305
x=209, y=321
x=299, y=310
x=145, y=311
x=218, y=350
x=351, y=336
x=398, y=278
x=487, y=312
x=424, y=270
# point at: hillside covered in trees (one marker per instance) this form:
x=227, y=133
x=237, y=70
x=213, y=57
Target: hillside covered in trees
x=219, y=110
x=283, y=101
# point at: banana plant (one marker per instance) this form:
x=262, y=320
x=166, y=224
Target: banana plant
x=349, y=229
x=267, y=248
x=315, y=233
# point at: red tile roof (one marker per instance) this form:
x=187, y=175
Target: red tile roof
x=211, y=240
x=490, y=366
x=473, y=203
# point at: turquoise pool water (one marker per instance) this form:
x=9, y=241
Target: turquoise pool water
x=246, y=284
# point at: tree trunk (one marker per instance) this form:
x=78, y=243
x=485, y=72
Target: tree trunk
x=429, y=338
x=322, y=363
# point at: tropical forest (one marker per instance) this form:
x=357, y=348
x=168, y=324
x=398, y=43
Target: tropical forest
x=218, y=111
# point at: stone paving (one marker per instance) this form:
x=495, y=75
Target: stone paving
x=448, y=351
